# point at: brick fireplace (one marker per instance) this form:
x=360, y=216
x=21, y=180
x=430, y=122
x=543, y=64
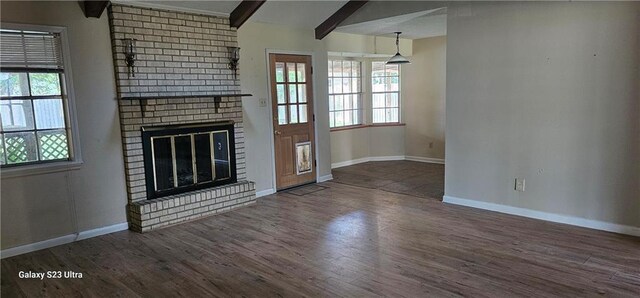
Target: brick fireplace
x=181, y=64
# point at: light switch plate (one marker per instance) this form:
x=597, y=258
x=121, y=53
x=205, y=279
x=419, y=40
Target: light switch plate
x=519, y=184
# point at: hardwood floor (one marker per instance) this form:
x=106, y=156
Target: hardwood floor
x=341, y=240
x=419, y=179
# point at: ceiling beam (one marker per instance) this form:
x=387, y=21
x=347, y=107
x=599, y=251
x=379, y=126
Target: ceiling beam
x=93, y=9
x=243, y=12
x=338, y=17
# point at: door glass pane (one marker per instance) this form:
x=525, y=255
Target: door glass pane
x=20, y=147
x=347, y=102
x=355, y=85
x=44, y=83
x=377, y=84
x=221, y=155
x=356, y=117
x=16, y=115
x=356, y=101
x=330, y=72
x=301, y=72
x=302, y=93
x=184, y=166
x=331, y=100
x=392, y=69
x=53, y=144
x=279, y=72
x=291, y=72
x=303, y=113
x=293, y=114
x=281, y=93
x=356, y=68
x=346, y=85
x=282, y=115
x=49, y=113
x=14, y=84
x=163, y=161
x=203, y=157
x=292, y=93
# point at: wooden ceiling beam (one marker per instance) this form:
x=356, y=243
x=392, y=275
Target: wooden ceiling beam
x=93, y=9
x=243, y=12
x=338, y=17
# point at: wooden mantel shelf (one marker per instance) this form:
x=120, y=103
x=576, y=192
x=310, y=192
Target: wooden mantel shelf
x=183, y=96
x=217, y=98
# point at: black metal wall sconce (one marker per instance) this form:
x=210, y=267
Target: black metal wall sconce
x=234, y=57
x=130, y=55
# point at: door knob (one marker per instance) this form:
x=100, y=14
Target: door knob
x=277, y=133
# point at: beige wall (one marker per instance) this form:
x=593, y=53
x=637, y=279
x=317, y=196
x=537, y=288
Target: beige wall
x=37, y=208
x=367, y=142
x=548, y=92
x=255, y=39
x=423, y=88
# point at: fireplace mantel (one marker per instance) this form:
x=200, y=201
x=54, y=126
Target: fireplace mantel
x=217, y=98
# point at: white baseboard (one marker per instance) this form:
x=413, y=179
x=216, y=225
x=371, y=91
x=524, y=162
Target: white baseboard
x=23, y=249
x=385, y=158
x=325, y=178
x=553, y=217
x=265, y=192
x=425, y=159
x=349, y=162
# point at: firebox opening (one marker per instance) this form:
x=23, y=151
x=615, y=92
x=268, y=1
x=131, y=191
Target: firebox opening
x=182, y=158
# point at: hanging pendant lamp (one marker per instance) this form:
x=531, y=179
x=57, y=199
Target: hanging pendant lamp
x=397, y=58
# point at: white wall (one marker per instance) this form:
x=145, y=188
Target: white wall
x=37, y=208
x=548, y=92
x=423, y=88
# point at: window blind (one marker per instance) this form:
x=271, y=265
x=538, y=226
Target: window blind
x=29, y=50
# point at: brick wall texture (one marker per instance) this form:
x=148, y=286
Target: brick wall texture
x=178, y=54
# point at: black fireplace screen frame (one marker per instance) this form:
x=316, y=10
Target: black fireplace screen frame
x=176, y=130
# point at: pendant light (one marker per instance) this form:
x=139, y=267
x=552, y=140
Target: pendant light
x=397, y=58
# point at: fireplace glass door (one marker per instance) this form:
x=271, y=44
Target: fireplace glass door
x=185, y=161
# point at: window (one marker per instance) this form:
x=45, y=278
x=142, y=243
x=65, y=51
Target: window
x=345, y=93
x=291, y=92
x=34, y=105
x=385, y=92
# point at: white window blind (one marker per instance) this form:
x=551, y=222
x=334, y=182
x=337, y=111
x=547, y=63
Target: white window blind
x=30, y=50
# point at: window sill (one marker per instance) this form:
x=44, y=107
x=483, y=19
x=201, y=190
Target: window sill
x=364, y=126
x=39, y=169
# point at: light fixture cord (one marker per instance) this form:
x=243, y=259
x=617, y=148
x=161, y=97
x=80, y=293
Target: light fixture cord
x=398, y=42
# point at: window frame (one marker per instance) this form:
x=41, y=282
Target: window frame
x=371, y=93
x=75, y=159
x=361, y=101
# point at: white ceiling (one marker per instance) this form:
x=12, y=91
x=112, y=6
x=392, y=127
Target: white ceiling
x=301, y=13
x=415, y=25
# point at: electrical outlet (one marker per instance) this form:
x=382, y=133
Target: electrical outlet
x=262, y=102
x=519, y=184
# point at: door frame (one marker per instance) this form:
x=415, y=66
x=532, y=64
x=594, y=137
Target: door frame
x=272, y=142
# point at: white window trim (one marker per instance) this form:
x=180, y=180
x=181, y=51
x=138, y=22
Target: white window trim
x=363, y=92
x=400, y=113
x=51, y=167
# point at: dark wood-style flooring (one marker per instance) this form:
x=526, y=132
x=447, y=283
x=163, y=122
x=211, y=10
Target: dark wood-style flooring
x=418, y=179
x=339, y=240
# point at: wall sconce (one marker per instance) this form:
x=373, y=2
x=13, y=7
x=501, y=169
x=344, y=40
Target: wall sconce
x=130, y=55
x=234, y=57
